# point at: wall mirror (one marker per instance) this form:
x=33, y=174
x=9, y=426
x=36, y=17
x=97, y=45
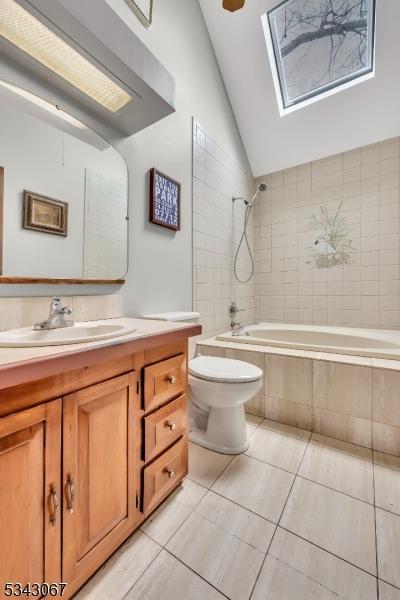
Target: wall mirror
x=63, y=196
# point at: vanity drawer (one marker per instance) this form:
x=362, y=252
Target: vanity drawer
x=163, y=427
x=162, y=475
x=164, y=380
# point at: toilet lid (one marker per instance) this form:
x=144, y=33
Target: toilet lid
x=224, y=370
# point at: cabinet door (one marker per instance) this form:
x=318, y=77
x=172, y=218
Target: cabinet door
x=98, y=473
x=30, y=471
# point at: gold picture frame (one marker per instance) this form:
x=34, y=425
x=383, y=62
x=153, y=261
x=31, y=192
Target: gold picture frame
x=143, y=9
x=44, y=214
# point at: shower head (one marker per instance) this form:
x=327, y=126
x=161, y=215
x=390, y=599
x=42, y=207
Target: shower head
x=261, y=188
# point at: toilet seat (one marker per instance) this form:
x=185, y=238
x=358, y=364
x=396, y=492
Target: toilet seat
x=224, y=370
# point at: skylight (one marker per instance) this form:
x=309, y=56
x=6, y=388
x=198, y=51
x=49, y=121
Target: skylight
x=317, y=46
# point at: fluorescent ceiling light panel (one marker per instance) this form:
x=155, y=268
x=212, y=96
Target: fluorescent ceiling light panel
x=27, y=33
x=51, y=108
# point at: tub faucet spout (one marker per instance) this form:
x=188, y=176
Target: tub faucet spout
x=239, y=330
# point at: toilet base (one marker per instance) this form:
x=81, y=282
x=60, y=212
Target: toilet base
x=226, y=431
x=199, y=437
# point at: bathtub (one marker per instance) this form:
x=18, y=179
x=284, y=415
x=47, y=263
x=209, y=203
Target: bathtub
x=376, y=343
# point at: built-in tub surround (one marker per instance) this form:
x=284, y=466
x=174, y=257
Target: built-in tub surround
x=351, y=398
x=328, y=241
x=377, y=343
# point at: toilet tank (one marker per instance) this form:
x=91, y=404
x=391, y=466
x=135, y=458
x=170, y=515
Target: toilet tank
x=184, y=317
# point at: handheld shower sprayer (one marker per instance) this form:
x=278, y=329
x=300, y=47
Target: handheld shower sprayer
x=261, y=188
x=249, y=205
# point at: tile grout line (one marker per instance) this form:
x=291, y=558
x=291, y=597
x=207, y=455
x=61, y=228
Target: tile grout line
x=146, y=569
x=375, y=527
x=297, y=535
x=184, y=521
x=373, y=469
x=197, y=574
x=162, y=547
x=277, y=525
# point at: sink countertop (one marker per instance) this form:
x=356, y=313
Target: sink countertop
x=19, y=365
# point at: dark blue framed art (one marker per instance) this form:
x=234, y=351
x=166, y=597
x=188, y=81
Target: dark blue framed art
x=165, y=200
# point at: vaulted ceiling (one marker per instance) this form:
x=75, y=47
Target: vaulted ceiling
x=355, y=117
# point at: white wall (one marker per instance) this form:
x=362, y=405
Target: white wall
x=160, y=262
x=160, y=273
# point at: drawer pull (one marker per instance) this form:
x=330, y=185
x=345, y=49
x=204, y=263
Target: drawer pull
x=70, y=494
x=171, y=472
x=172, y=379
x=171, y=425
x=54, y=501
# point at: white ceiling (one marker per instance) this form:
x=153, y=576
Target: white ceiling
x=360, y=115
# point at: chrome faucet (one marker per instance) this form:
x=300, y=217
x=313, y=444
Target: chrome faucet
x=57, y=316
x=233, y=310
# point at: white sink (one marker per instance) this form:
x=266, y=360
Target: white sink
x=79, y=333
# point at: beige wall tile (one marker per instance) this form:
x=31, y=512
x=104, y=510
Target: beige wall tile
x=343, y=427
x=26, y=311
x=386, y=438
x=289, y=379
x=10, y=313
x=91, y=308
x=386, y=397
x=205, y=350
x=291, y=413
x=343, y=388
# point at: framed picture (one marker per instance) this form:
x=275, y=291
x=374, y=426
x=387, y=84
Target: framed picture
x=165, y=201
x=143, y=9
x=41, y=213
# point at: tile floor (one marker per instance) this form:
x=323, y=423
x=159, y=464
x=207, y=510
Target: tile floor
x=297, y=517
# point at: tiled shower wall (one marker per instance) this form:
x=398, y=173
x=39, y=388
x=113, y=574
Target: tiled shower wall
x=361, y=286
x=217, y=226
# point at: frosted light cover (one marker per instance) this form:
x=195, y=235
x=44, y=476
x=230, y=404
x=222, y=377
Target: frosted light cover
x=27, y=33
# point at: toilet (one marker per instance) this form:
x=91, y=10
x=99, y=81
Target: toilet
x=218, y=391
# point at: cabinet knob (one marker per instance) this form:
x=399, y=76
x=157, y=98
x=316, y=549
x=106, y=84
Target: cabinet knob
x=172, y=379
x=171, y=473
x=171, y=425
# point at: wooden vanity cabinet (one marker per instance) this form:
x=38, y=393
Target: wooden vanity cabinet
x=85, y=457
x=99, y=467
x=30, y=496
